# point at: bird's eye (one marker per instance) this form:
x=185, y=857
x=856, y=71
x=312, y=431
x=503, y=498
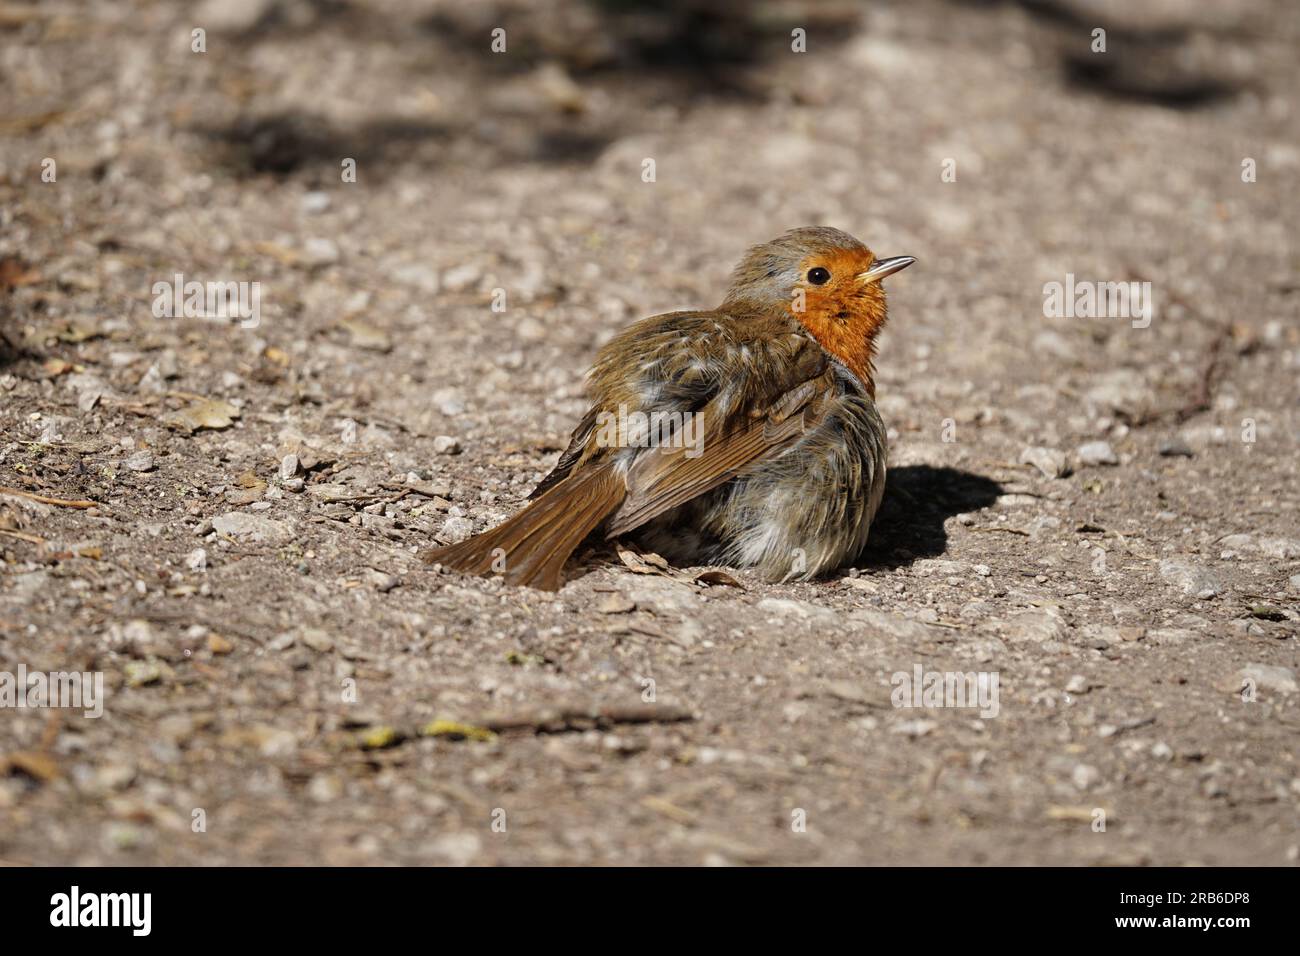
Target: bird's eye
x=819, y=276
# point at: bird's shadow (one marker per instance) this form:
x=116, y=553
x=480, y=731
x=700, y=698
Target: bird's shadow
x=918, y=500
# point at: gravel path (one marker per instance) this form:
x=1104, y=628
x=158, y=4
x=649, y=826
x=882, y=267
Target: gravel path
x=1099, y=514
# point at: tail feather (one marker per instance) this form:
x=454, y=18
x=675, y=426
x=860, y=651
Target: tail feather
x=532, y=547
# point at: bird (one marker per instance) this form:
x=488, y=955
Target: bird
x=744, y=436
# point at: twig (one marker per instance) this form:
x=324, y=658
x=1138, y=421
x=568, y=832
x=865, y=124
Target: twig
x=22, y=536
x=61, y=502
x=579, y=718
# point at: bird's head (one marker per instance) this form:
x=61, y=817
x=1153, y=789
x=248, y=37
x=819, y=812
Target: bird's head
x=828, y=281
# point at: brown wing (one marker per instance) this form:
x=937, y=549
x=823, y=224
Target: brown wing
x=577, y=445
x=666, y=477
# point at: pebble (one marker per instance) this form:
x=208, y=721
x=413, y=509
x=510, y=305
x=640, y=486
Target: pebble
x=615, y=604
x=1095, y=453
x=1270, y=677
x=1078, y=684
x=141, y=461
x=289, y=465
x=446, y=445
x=325, y=787
x=381, y=581
x=315, y=202
x=460, y=278
x=317, y=640
x=418, y=275
x=240, y=524
x=455, y=530
x=320, y=252
x=197, y=560
x=1191, y=579
x=231, y=16
x=281, y=642
x=1035, y=626
x=783, y=607
x=1050, y=461
x=456, y=849
x=1085, y=776
x=1175, y=448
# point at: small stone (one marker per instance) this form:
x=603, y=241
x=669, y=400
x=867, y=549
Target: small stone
x=281, y=642
x=461, y=278
x=851, y=691
x=802, y=610
x=1191, y=579
x=455, y=530
x=289, y=466
x=316, y=202
x=1162, y=751
x=294, y=484
x=381, y=581
x=446, y=445
x=325, y=787
x=115, y=776
x=197, y=560
x=418, y=275
x=1084, y=776
x=1095, y=453
x=239, y=524
x=1270, y=677
x=320, y=252
x=456, y=849
x=616, y=604
x=913, y=728
x=141, y=461
x=1050, y=461
x=1078, y=684
x=983, y=570
x=219, y=645
x=1175, y=448
x=1035, y=626
x=142, y=673
x=231, y=16
x=317, y=640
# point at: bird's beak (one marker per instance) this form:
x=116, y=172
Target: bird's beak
x=885, y=267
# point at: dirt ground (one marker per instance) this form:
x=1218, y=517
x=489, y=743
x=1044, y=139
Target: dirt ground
x=286, y=681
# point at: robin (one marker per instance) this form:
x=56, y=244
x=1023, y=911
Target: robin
x=746, y=435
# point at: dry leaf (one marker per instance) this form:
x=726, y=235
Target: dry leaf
x=714, y=576
x=203, y=413
x=14, y=272
x=250, y=480
x=634, y=562
x=38, y=766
